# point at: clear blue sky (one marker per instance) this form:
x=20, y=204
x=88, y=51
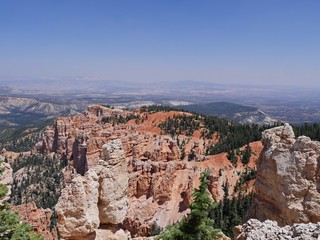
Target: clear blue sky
x=258, y=41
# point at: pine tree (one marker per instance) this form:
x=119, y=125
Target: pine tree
x=232, y=157
x=154, y=230
x=11, y=227
x=197, y=225
x=246, y=155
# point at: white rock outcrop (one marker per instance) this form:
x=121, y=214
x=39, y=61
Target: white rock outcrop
x=77, y=208
x=113, y=201
x=288, y=178
x=256, y=230
x=98, y=197
x=6, y=178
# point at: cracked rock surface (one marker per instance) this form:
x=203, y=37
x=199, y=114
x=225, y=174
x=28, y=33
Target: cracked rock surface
x=288, y=179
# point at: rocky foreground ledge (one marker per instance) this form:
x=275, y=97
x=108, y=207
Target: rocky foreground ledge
x=288, y=178
x=256, y=230
x=287, y=189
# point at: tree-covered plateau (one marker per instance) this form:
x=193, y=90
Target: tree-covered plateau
x=37, y=178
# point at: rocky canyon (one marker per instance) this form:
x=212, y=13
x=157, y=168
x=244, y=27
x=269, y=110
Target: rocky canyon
x=124, y=174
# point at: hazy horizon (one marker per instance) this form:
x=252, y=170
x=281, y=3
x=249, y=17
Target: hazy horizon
x=267, y=43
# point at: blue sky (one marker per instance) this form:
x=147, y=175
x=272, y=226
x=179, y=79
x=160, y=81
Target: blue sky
x=249, y=42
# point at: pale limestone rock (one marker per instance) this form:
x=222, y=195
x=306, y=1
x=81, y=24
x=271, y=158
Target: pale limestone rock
x=256, y=230
x=113, y=202
x=112, y=234
x=288, y=181
x=77, y=208
x=113, y=152
x=6, y=178
x=99, y=197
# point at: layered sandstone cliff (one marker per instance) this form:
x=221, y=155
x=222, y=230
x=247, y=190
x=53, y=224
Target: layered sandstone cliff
x=288, y=178
x=39, y=219
x=97, y=198
x=127, y=175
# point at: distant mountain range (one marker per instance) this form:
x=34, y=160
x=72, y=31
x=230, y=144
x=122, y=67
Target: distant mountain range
x=232, y=111
x=31, y=111
x=26, y=111
x=286, y=103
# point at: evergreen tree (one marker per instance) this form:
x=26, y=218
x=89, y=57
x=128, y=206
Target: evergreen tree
x=154, y=230
x=246, y=154
x=11, y=227
x=230, y=212
x=197, y=225
x=232, y=157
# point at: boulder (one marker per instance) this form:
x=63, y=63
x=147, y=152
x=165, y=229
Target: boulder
x=256, y=230
x=288, y=178
x=77, y=208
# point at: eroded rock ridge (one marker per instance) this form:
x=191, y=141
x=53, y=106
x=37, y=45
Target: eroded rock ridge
x=97, y=198
x=288, y=178
x=126, y=175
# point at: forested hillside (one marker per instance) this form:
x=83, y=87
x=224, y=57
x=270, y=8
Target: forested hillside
x=232, y=135
x=11, y=226
x=20, y=139
x=311, y=130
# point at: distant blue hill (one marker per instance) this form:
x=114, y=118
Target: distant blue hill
x=219, y=108
x=239, y=113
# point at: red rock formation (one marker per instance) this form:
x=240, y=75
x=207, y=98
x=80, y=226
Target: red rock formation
x=39, y=218
x=160, y=184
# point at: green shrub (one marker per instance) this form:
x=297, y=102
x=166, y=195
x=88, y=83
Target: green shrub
x=11, y=226
x=197, y=225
